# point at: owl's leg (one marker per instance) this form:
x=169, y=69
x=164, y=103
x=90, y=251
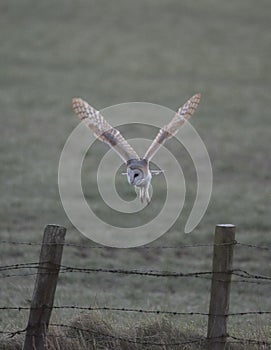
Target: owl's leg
x=139, y=193
x=143, y=194
x=146, y=194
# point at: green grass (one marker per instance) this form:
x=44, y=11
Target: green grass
x=155, y=51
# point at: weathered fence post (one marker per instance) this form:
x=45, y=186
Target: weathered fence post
x=220, y=290
x=45, y=286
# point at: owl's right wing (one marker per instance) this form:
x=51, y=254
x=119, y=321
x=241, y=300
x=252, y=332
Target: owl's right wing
x=103, y=130
x=169, y=130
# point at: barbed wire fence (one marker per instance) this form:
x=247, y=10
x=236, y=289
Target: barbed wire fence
x=49, y=267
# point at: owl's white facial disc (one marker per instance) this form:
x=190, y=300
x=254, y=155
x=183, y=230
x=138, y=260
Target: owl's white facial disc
x=135, y=176
x=137, y=172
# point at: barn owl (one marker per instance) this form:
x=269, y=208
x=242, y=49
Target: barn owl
x=138, y=172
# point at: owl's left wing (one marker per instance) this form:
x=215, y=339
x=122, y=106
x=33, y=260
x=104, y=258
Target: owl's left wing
x=169, y=130
x=103, y=130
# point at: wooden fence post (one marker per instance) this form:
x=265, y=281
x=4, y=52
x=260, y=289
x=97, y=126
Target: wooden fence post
x=45, y=286
x=220, y=290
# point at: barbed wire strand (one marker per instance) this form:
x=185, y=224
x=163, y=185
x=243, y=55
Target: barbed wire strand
x=202, y=277
x=153, y=273
x=123, y=309
x=158, y=273
x=86, y=246
x=197, y=245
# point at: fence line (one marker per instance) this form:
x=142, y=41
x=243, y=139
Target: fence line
x=248, y=277
x=86, y=246
x=123, y=309
x=155, y=273
x=220, y=338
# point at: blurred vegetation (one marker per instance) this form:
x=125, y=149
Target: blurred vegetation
x=155, y=51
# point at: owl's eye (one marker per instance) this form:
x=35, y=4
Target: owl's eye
x=136, y=175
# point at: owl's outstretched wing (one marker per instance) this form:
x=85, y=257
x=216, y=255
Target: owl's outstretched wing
x=103, y=130
x=169, y=130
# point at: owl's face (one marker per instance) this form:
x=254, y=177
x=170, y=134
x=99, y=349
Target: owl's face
x=138, y=173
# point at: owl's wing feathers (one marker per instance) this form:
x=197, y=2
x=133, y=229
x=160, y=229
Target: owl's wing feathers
x=169, y=130
x=103, y=130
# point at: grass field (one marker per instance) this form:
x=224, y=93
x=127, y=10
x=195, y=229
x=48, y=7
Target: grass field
x=154, y=51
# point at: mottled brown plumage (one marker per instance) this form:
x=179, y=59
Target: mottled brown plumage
x=103, y=130
x=169, y=130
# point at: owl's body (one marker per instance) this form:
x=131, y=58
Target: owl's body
x=138, y=173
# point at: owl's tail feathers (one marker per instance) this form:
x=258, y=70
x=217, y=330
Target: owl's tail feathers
x=143, y=194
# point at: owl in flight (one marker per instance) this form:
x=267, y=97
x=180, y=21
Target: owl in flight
x=138, y=173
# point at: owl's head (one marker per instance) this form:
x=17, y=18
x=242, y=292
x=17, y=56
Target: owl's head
x=138, y=173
